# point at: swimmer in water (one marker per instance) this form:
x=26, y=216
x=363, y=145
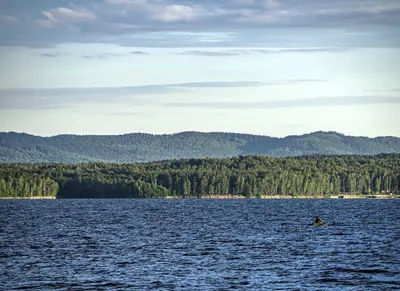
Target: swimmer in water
x=318, y=220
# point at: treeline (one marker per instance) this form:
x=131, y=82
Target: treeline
x=249, y=176
x=21, y=184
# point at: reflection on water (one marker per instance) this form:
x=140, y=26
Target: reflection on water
x=199, y=244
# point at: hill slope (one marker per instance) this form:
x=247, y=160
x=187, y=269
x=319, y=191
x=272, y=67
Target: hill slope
x=140, y=147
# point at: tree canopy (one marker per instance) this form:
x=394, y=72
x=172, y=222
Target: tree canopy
x=248, y=176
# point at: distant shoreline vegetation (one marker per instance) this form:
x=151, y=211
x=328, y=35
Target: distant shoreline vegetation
x=244, y=176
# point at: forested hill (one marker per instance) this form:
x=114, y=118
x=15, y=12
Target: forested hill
x=140, y=147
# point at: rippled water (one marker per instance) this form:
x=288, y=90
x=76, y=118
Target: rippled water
x=199, y=244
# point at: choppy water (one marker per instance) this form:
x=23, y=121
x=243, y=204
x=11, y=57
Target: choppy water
x=199, y=244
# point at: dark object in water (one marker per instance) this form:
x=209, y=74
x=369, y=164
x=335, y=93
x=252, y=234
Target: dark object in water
x=318, y=220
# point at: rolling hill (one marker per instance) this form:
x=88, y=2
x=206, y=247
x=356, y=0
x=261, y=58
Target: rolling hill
x=141, y=147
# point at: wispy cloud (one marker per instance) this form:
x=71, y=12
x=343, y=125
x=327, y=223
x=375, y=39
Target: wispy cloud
x=387, y=90
x=217, y=84
x=210, y=53
x=8, y=20
x=101, y=56
x=310, y=102
x=238, y=52
x=53, y=55
x=61, y=97
x=139, y=53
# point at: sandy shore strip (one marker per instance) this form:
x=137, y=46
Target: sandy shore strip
x=33, y=197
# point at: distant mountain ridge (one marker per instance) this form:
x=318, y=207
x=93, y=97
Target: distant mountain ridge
x=142, y=147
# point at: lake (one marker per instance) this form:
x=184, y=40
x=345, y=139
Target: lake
x=199, y=244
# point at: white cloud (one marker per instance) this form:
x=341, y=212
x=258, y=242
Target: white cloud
x=172, y=13
x=67, y=13
x=50, y=16
x=63, y=15
x=127, y=2
x=271, y=4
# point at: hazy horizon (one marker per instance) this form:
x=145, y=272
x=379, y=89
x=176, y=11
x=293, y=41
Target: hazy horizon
x=265, y=67
x=193, y=131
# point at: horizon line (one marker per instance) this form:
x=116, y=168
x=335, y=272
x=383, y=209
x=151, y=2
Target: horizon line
x=206, y=132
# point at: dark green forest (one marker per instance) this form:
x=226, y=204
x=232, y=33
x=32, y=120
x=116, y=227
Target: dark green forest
x=248, y=176
x=141, y=147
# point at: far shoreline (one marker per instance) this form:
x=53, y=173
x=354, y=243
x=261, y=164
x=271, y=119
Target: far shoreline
x=232, y=197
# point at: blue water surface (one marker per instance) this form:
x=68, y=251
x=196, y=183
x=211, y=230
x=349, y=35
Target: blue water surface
x=199, y=244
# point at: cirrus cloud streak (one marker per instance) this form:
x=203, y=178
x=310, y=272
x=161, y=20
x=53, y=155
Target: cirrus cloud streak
x=304, y=102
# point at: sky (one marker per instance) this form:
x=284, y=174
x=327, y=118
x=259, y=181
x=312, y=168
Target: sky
x=268, y=67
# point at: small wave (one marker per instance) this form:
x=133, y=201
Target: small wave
x=27, y=287
x=364, y=271
x=123, y=263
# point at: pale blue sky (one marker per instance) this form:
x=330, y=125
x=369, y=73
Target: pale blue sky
x=271, y=67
